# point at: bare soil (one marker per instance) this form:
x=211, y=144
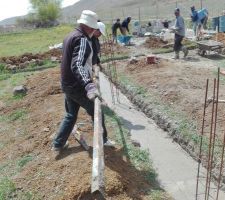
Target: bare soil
x=67, y=176
x=180, y=85
x=155, y=42
x=17, y=60
x=220, y=37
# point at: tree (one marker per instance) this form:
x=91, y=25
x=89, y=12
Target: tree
x=46, y=11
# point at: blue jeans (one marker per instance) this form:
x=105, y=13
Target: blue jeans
x=73, y=102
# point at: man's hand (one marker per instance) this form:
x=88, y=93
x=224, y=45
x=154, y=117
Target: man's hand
x=92, y=91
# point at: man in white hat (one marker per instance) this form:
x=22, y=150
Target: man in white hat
x=76, y=77
x=96, y=44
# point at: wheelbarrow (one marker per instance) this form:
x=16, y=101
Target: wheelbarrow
x=206, y=46
x=124, y=39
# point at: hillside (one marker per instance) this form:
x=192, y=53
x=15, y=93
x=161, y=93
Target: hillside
x=112, y=9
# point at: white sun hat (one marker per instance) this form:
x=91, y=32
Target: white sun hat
x=88, y=18
x=101, y=27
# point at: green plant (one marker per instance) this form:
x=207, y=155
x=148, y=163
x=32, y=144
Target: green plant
x=18, y=114
x=24, y=160
x=18, y=96
x=4, y=76
x=2, y=67
x=7, y=187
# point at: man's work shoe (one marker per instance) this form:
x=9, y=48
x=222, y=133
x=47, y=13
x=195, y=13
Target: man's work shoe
x=109, y=143
x=58, y=149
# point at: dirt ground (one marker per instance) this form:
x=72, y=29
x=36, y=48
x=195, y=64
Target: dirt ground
x=220, y=37
x=17, y=60
x=155, y=42
x=180, y=85
x=67, y=176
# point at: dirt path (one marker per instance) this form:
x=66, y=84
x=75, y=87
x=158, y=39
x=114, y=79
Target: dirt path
x=176, y=169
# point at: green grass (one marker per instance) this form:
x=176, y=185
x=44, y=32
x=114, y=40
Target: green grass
x=9, y=191
x=24, y=160
x=19, y=114
x=32, y=41
x=7, y=187
x=8, y=82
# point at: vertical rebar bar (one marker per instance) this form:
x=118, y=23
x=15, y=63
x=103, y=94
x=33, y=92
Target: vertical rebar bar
x=221, y=168
x=108, y=45
x=210, y=143
x=202, y=133
x=215, y=126
x=115, y=76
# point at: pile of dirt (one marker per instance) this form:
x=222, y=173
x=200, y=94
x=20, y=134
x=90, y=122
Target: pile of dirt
x=107, y=48
x=20, y=62
x=220, y=37
x=67, y=176
x=142, y=65
x=154, y=42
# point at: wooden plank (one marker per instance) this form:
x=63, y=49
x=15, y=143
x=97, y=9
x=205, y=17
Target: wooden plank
x=98, y=152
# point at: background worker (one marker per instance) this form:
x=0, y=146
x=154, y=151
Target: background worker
x=125, y=26
x=179, y=30
x=199, y=19
x=115, y=26
x=76, y=77
x=194, y=19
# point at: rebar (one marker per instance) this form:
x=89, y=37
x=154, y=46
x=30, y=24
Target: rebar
x=202, y=133
x=215, y=125
x=210, y=144
x=221, y=169
x=114, y=68
x=213, y=159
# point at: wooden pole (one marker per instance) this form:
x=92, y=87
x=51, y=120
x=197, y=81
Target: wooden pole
x=98, y=153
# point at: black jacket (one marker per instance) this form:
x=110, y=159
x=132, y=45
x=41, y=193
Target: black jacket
x=96, y=50
x=115, y=26
x=125, y=24
x=74, y=66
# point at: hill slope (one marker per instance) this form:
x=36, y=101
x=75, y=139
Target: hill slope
x=112, y=9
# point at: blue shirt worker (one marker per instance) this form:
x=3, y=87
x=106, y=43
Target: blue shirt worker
x=194, y=19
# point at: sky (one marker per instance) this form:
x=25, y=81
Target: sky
x=12, y=8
